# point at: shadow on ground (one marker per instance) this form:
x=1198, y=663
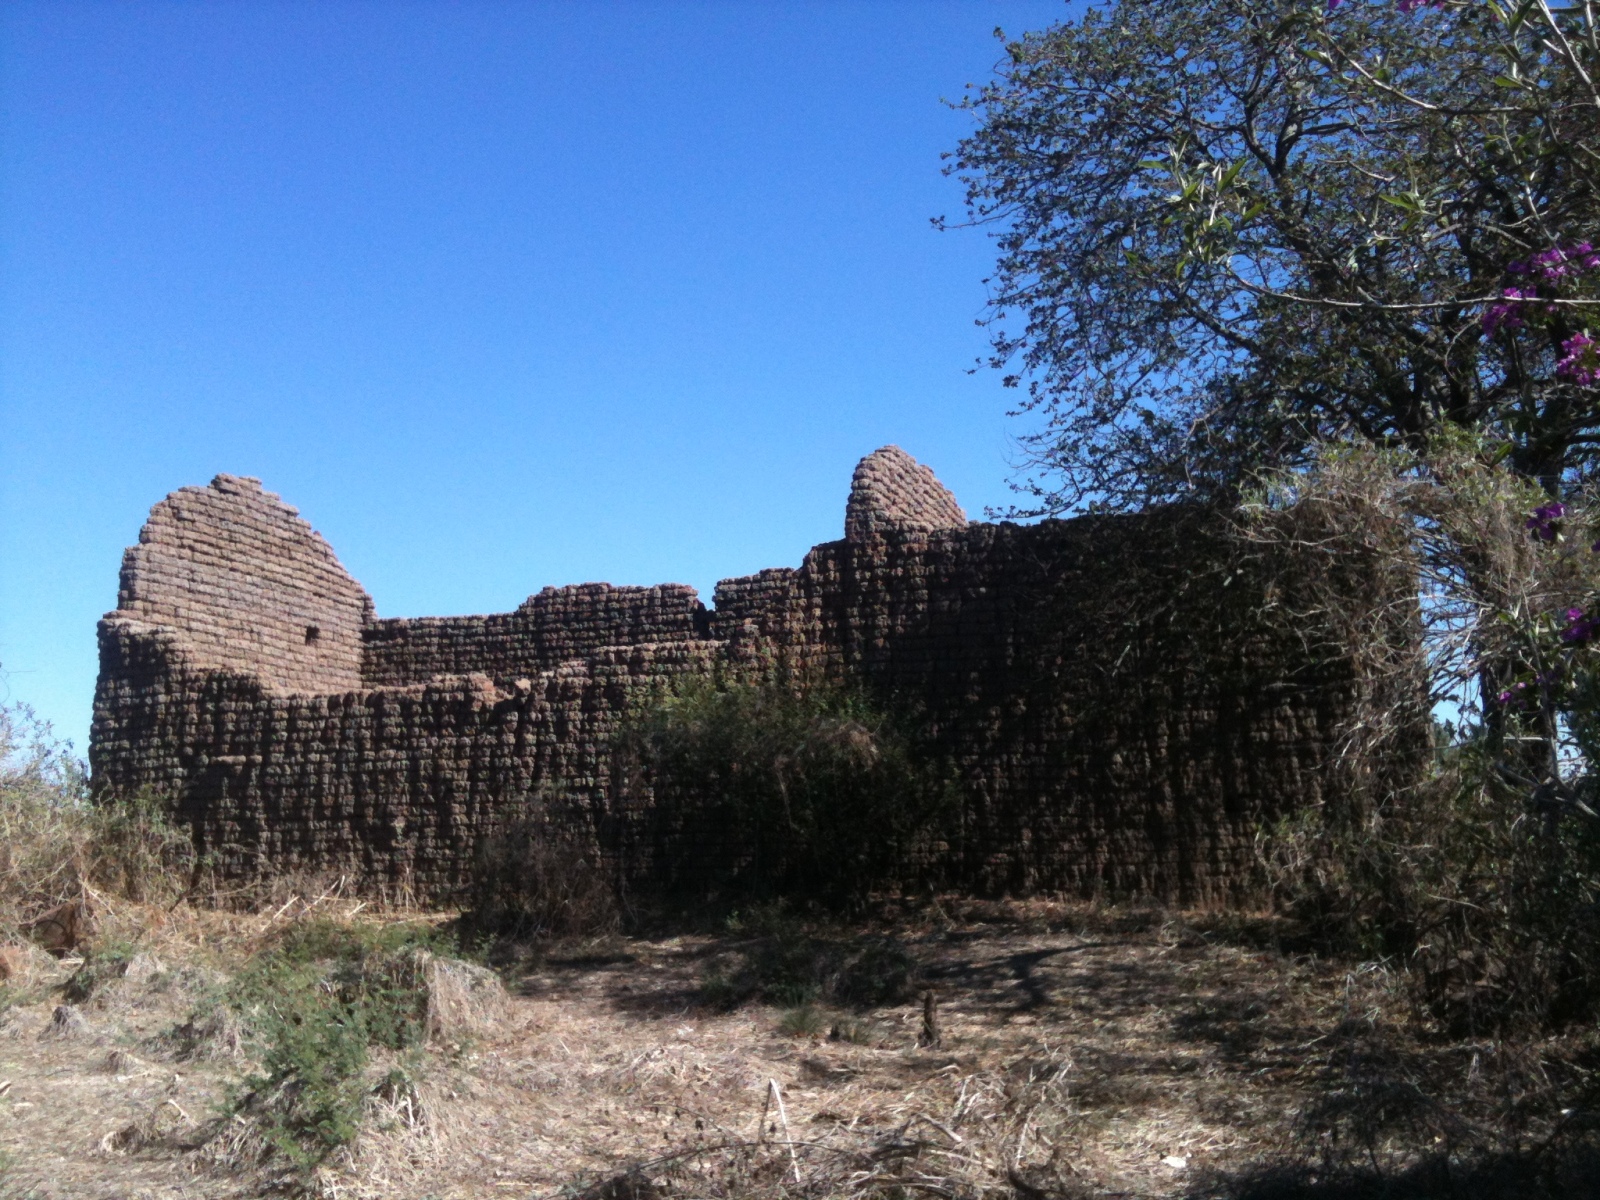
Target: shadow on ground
x=1554, y=1175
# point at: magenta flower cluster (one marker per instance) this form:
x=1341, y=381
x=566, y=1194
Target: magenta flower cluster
x=1558, y=262
x=1517, y=692
x=1543, y=522
x=1547, y=268
x=1580, y=627
x=1581, y=362
x=1513, y=693
x=1544, y=271
x=1506, y=313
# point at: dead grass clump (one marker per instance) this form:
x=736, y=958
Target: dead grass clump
x=67, y=1024
x=531, y=883
x=99, y=969
x=22, y=964
x=1007, y=1135
x=464, y=1001
x=211, y=1032
x=59, y=853
x=791, y=963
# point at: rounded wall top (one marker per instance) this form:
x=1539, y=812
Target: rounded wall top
x=891, y=491
x=246, y=585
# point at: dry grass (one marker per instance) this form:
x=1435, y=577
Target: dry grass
x=1085, y=1053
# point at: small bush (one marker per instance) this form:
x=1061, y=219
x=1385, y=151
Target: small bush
x=806, y=1021
x=308, y=1093
x=529, y=882
x=784, y=789
x=316, y=1004
x=1492, y=911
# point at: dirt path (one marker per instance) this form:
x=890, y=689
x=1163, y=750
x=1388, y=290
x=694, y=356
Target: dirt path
x=1134, y=1059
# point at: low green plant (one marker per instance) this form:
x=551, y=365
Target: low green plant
x=317, y=1003
x=806, y=1021
x=324, y=939
x=308, y=1093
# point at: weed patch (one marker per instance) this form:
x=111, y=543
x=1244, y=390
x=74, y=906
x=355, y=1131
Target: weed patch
x=57, y=847
x=530, y=883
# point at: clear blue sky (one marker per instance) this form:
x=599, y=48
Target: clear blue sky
x=500, y=295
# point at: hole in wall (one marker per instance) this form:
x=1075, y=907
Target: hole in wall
x=313, y=634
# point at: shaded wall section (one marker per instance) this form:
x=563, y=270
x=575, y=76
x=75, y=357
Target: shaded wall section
x=1122, y=712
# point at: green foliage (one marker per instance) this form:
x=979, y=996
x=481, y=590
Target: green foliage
x=309, y=1089
x=317, y=1003
x=806, y=1021
x=806, y=791
x=321, y=939
x=1229, y=229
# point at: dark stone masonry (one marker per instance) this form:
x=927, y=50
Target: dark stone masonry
x=1123, y=714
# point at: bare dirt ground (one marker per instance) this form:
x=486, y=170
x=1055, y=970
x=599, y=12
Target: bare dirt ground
x=1106, y=1053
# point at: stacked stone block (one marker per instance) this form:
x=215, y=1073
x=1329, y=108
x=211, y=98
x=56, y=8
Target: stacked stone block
x=555, y=626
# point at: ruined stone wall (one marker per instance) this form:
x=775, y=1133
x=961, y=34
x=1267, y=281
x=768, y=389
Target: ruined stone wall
x=553, y=627
x=1121, y=714
x=246, y=585
x=1123, y=717
x=394, y=786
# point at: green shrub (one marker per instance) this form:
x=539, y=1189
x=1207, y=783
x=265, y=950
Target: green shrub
x=806, y=1021
x=793, y=789
x=309, y=1090
x=316, y=1003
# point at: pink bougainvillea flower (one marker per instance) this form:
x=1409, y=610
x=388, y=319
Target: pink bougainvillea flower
x=1542, y=524
x=1582, y=361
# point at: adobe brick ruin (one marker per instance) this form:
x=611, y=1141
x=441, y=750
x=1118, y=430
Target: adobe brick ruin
x=1122, y=716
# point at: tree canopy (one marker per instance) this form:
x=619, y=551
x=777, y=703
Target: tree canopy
x=1231, y=228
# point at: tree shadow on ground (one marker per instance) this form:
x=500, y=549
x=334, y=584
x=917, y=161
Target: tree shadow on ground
x=1568, y=1173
